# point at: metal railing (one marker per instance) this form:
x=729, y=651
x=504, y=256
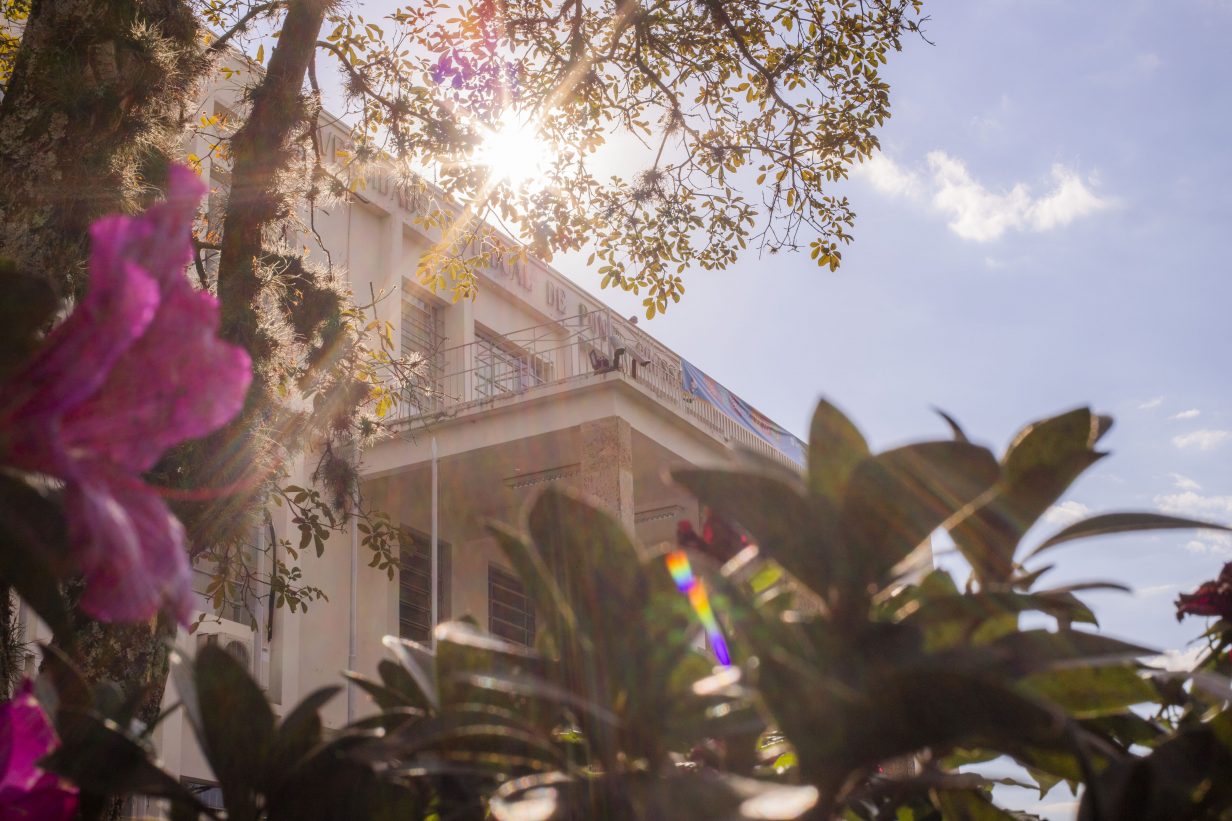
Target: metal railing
x=496, y=369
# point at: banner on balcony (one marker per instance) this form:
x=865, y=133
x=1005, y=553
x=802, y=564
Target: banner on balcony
x=747, y=416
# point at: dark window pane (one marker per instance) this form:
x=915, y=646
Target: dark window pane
x=510, y=615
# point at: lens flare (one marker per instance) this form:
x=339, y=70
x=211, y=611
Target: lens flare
x=682, y=574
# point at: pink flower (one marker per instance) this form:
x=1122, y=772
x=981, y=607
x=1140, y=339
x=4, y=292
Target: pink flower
x=719, y=539
x=1210, y=599
x=26, y=792
x=135, y=369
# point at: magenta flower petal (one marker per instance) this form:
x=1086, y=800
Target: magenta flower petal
x=74, y=361
x=50, y=800
x=25, y=737
x=129, y=546
x=26, y=792
x=136, y=369
x=159, y=241
x=178, y=382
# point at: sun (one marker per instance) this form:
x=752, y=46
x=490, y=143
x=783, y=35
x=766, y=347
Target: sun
x=515, y=152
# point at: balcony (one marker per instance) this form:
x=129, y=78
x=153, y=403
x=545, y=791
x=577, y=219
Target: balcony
x=496, y=370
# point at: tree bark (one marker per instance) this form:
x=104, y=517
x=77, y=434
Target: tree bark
x=11, y=661
x=95, y=107
x=261, y=152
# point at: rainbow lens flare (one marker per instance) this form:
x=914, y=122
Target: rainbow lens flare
x=682, y=574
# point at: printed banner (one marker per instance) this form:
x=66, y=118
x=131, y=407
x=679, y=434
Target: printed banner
x=698, y=384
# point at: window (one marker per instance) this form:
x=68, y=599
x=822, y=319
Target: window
x=500, y=367
x=510, y=613
x=422, y=333
x=415, y=586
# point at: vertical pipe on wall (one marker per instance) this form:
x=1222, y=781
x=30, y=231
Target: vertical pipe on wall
x=435, y=545
x=353, y=627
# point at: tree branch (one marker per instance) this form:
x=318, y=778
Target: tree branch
x=241, y=24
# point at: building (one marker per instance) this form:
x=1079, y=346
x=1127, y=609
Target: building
x=534, y=382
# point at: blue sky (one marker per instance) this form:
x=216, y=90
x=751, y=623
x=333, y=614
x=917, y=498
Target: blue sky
x=1046, y=227
x=1043, y=229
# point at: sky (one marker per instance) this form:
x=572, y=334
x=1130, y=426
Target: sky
x=1044, y=228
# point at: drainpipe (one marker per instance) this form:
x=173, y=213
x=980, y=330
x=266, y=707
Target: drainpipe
x=435, y=546
x=353, y=627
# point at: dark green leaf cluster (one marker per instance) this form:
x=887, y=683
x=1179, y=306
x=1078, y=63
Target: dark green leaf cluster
x=861, y=688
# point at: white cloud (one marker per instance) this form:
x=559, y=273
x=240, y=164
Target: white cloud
x=977, y=213
x=889, y=177
x=1184, y=482
x=1149, y=61
x=1194, y=504
x=1205, y=439
x=1151, y=404
x=1066, y=513
x=1217, y=545
x=1217, y=509
x=981, y=215
x=1192, y=413
x=1179, y=661
x=1069, y=200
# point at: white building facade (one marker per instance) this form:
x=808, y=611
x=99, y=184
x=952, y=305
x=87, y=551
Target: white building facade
x=534, y=382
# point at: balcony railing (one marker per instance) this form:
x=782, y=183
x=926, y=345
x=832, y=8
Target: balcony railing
x=512, y=367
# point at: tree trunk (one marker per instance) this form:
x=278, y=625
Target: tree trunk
x=95, y=107
x=262, y=152
x=11, y=656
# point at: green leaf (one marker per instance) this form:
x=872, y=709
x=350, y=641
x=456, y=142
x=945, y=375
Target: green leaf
x=1090, y=692
x=333, y=782
x=420, y=664
x=400, y=681
x=796, y=531
x=97, y=756
x=1109, y=523
x=1127, y=728
x=593, y=561
x=1044, y=459
x=959, y=434
x=946, y=619
x=299, y=732
x=1044, y=781
x=1189, y=776
x=237, y=727
x=385, y=697
x=1051, y=443
x=895, y=499
x=1029, y=651
x=968, y=805
x=836, y=446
